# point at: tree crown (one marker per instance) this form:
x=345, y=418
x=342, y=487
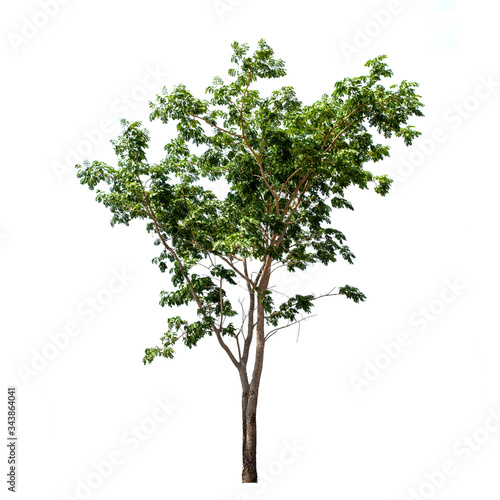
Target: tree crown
x=286, y=166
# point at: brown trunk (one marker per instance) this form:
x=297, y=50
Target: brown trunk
x=251, y=391
x=249, y=471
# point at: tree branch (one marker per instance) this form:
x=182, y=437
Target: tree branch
x=272, y=332
x=186, y=275
x=216, y=126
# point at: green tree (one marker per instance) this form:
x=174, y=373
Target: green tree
x=285, y=165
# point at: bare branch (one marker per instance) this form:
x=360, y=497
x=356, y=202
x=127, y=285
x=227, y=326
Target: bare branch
x=272, y=332
x=234, y=268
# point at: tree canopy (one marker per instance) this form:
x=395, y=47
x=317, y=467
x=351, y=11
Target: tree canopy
x=287, y=166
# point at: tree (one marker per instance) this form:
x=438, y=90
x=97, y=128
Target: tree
x=286, y=167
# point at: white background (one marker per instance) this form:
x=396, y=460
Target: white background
x=87, y=63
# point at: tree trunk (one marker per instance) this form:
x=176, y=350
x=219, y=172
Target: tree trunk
x=251, y=391
x=249, y=418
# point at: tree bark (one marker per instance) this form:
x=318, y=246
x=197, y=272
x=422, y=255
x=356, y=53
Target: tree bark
x=251, y=391
x=249, y=407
